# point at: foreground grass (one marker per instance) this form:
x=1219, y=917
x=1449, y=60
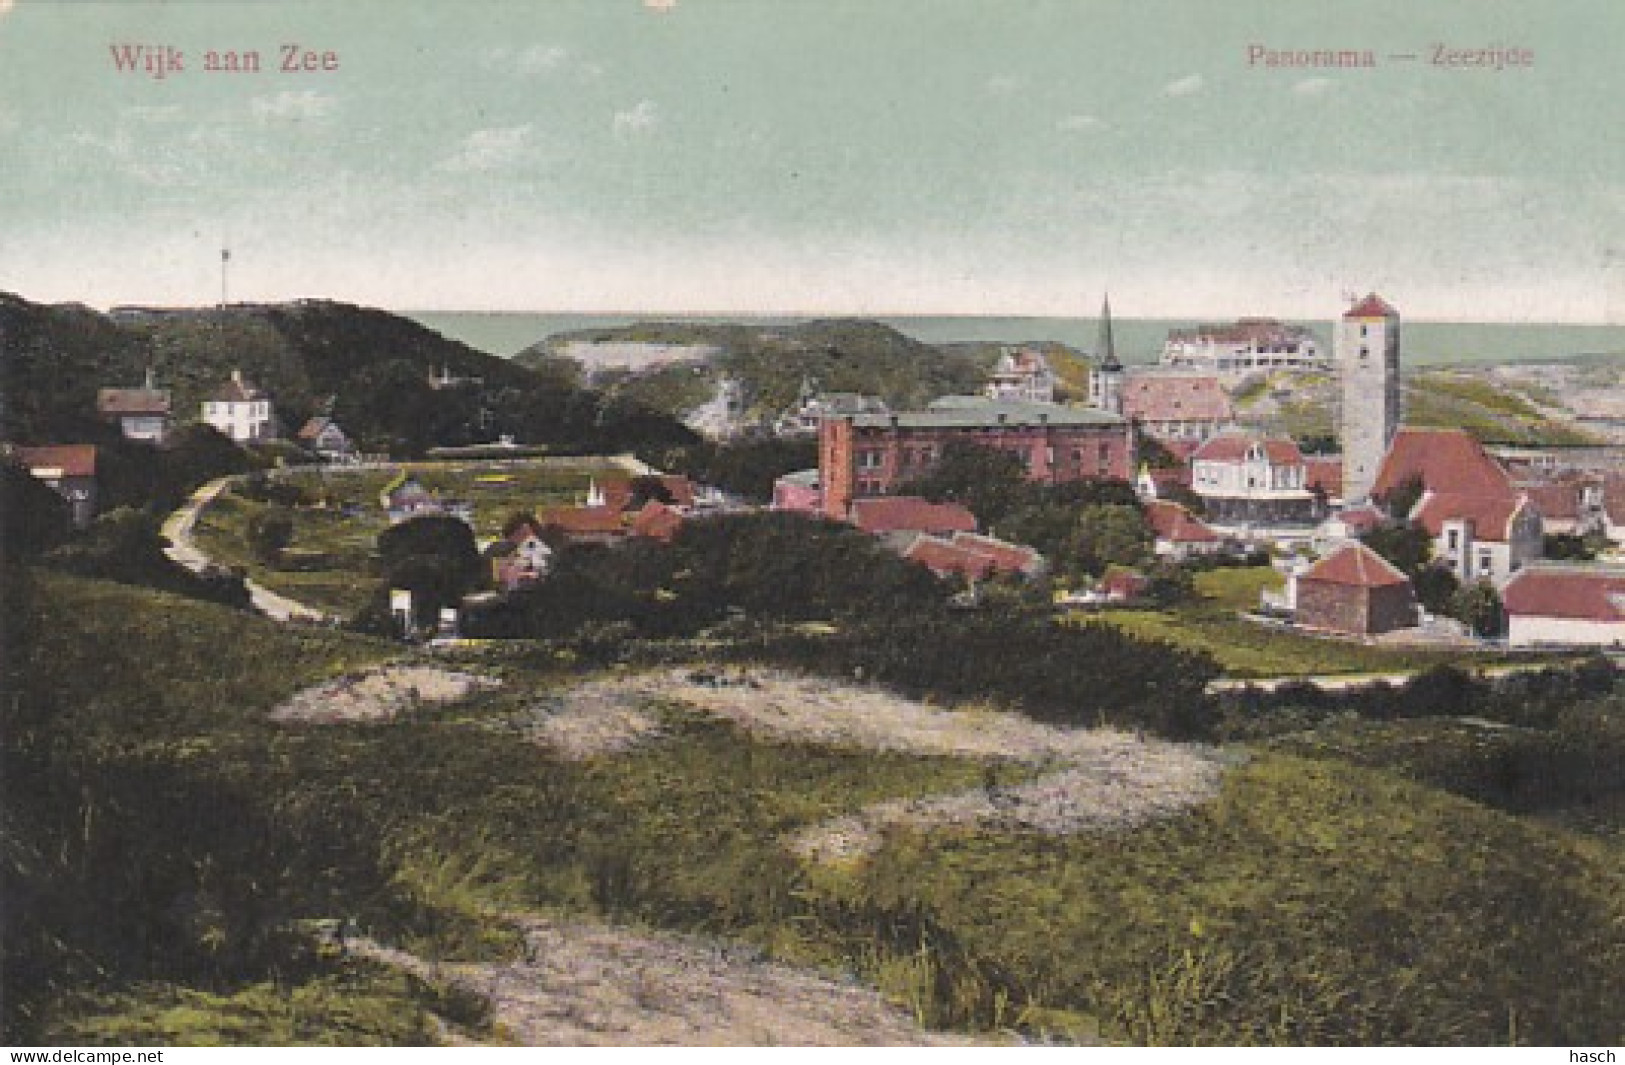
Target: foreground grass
x=1315, y=901
x=1245, y=649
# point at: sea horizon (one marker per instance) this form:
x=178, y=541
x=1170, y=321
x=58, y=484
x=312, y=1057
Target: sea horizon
x=1137, y=340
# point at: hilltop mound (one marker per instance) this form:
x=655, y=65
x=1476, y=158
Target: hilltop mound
x=373, y=365
x=770, y=363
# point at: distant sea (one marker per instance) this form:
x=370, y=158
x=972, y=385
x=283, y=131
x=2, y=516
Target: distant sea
x=1139, y=340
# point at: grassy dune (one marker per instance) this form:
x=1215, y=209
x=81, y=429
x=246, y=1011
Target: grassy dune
x=178, y=844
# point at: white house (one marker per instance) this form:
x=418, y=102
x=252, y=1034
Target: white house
x=1566, y=605
x=1022, y=374
x=1246, y=346
x=1481, y=537
x=1245, y=479
x=241, y=410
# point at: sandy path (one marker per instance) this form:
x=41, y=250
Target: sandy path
x=378, y=695
x=584, y=984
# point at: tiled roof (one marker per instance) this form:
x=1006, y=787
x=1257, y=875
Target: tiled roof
x=71, y=460
x=1373, y=306
x=238, y=389
x=979, y=413
x=1002, y=555
x=617, y=494
x=1558, y=501
x=1326, y=473
x=1362, y=519
x=1173, y=523
x=582, y=520
x=1585, y=593
x=942, y=558
x=1167, y=397
x=133, y=401
x=1355, y=565
x=657, y=521
x=1233, y=447
x=1245, y=331
x=886, y=514
x=1491, y=515
x=1447, y=460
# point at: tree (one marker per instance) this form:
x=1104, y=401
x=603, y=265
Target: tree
x=270, y=532
x=1567, y=546
x=1436, y=589
x=1407, y=546
x=1478, y=606
x=990, y=481
x=1106, y=535
x=435, y=558
x=1401, y=500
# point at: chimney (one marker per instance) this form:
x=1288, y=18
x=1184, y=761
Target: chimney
x=237, y=378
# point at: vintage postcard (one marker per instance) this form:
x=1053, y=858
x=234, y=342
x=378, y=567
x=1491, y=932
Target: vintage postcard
x=976, y=523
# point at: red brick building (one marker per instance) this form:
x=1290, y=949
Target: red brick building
x=1354, y=590
x=872, y=454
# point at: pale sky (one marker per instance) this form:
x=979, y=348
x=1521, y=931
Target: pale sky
x=844, y=157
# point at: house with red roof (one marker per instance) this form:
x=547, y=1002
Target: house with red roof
x=1354, y=591
x=1248, y=480
x=70, y=469
x=799, y=493
x=1178, y=534
x=582, y=525
x=656, y=521
x=1483, y=526
x=522, y=557
x=140, y=413
x=892, y=515
x=1567, y=605
x=1172, y=405
x=973, y=557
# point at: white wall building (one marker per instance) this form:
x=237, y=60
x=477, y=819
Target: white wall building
x=241, y=411
x=1566, y=605
x=1246, y=346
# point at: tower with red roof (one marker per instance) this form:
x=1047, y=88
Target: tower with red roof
x=1367, y=356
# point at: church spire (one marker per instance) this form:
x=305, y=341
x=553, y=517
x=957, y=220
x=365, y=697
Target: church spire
x=1108, y=345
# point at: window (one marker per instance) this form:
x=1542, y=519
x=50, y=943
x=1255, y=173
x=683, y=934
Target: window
x=1452, y=540
x=1484, y=562
x=868, y=460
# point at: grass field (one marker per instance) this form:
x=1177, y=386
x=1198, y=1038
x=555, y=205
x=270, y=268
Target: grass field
x=1315, y=900
x=1245, y=649
x=342, y=534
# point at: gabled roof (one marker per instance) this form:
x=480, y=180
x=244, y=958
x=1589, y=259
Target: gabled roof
x=1362, y=518
x=520, y=534
x=316, y=426
x=59, y=460
x=238, y=389
x=1447, y=460
x=1580, y=592
x=1233, y=447
x=1167, y=397
x=1002, y=555
x=1326, y=473
x=1177, y=525
x=886, y=514
x=1373, y=306
x=657, y=521
x=133, y=401
x=1491, y=515
x=618, y=494
x=1559, y=501
x=942, y=558
x=1355, y=565
x=582, y=521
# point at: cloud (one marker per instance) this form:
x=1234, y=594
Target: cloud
x=489, y=149
x=639, y=119
x=1312, y=86
x=6, y=6
x=661, y=6
x=1004, y=84
x=1078, y=123
x=540, y=58
x=1186, y=86
x=290, y=105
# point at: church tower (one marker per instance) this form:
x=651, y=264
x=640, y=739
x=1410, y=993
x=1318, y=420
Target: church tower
x=1106, y=379
x=1367, y=355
